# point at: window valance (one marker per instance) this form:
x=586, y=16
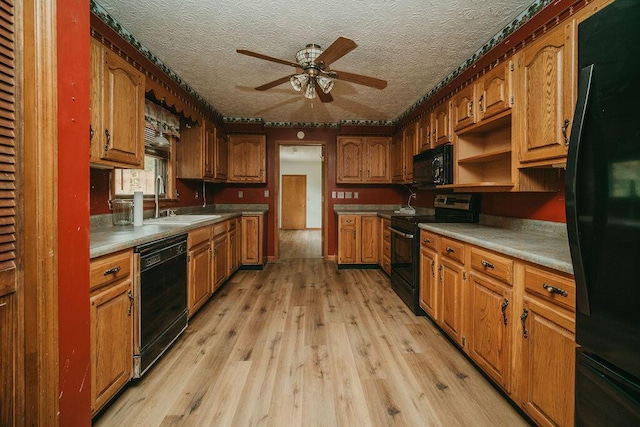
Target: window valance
x=161, y=120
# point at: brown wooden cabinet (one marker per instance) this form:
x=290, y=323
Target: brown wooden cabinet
x=111, y=303
x=463, y=107
x=202, y=154
x=385, y=245
x=452, y=278
x=199, y=268
x=494, y=91
x=491, y=321
x=546, y=89
x=247, y=158
x=8, y=346
x=424, y=132
x=405, y=146
x=358, y=239
x=220, y=254
x=363, y=160
x=397, y=158
x=117, y=110
x=253, y=241
x=233, y=248
x=429, y=266
x=442, y=129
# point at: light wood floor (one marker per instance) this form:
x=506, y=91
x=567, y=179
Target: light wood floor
x=300, y=244
x=304, y=344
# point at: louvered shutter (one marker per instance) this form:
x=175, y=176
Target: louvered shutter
x=7, y=147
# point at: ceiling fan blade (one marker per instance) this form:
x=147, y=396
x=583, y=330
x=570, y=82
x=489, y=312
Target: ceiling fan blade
x=358, y=79
x=266, y=58
x=274, y=83
x=324, y=97
x=337, y=50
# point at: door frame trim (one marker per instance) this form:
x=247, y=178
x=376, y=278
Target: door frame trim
x=276, y=229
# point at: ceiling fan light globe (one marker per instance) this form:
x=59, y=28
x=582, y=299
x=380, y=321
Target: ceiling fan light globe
x=325, y=84
x=298, y=81
x=310, y=91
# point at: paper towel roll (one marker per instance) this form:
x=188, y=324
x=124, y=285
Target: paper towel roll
x=138, y=208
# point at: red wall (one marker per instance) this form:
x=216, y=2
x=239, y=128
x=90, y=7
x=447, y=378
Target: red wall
x=73, y=213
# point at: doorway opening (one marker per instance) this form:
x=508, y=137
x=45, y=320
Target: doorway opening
x=300, y=215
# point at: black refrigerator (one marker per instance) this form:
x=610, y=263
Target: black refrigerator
x=603, y=217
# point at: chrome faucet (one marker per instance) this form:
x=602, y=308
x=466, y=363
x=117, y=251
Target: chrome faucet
x=159, y=183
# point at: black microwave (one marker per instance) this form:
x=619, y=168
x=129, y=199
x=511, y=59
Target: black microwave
x=434, y=167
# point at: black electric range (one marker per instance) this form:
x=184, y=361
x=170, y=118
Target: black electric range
x=405, y=242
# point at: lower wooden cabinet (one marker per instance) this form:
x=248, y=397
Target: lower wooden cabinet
x=253, y=241
x=385, y=245
x=358, y=239
x=111, y=327
x=199, y=269
x=220, y=261
x=515, y=320
x=8, y=347
x=233, y=247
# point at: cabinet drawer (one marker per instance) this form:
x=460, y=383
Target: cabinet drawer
x=386, y=264
x=232, y=224
x=428, y=240
x=492, y=264
x=220, y=228
x=347, y=220
x=386, y=248
x=386, y=233
x=198, y=236
x=110, y=268
x=452, y=249
x=551, y=287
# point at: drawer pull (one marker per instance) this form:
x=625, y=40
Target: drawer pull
x=427, y=240
x=553, y=290
x=114, y=271
x=450, y=250
x=523, y=319
x=487, y=264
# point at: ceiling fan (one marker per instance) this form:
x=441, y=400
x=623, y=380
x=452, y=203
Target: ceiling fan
x=314, y=75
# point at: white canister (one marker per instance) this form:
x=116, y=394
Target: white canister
x=138, y=208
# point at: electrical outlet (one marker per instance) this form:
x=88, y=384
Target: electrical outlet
x=348, y=195
x=355, y=194
x=266, y=193
x=333, y=194
x=197, y=195
x=240, y=194
x=340, y=194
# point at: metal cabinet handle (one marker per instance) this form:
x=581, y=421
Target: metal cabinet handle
x=130, y=295
x=470, y=109
x=433, y=268
x=108, y=135
x=565, y=126
x=503, y=308
x=450, y=250
x=554, y=290
x=481, y=102
x=91, y=132
x=441, y=275
x=114, y=271
x=523, y=319
x=487, y=264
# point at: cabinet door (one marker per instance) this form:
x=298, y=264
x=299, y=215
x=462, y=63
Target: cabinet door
x=442, y=122
x=397, y=158
x=111, y=342
x=251, y=240
x=349, y=159
x=199, y=277
x=424, y=134
x=347, y=239
x=494, y=91
x=247, y=158
x=232, y=252
x=491, y=326
x=547, y=95
x=222, y=159
x=451, y=283
x=7, y=360
x=548, y=363
x=123, y=112
x=463, y=108
x=369, y=241
x=428, y=282
x=409, y=144
x=378, y=160
x=219, y=248
x=209, y=157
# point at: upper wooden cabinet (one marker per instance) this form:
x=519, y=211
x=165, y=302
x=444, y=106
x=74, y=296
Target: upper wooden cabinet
x=117, y=110
x=425, y=132
x=202, y=154
x=363, y=160
x=442, y=124
x=546, y=97
x=405, y=146
x=247, y=158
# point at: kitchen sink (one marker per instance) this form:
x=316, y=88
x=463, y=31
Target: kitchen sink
x=180, y=219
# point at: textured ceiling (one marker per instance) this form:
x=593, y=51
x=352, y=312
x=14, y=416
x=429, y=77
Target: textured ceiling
x=413, y=44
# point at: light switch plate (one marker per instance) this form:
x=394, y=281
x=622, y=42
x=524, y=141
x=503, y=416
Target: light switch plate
x=333, y=194
x=355, y=194
x=348, y=195
x=340, y=194
x=266, y=193
x=240, y=194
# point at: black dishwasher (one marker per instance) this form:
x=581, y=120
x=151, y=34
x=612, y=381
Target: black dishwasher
x=160, y=299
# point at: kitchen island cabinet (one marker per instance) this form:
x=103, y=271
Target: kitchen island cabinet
x=117, y=110
x=111, y=320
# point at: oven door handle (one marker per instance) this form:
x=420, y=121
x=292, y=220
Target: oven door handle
x=408, y=236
